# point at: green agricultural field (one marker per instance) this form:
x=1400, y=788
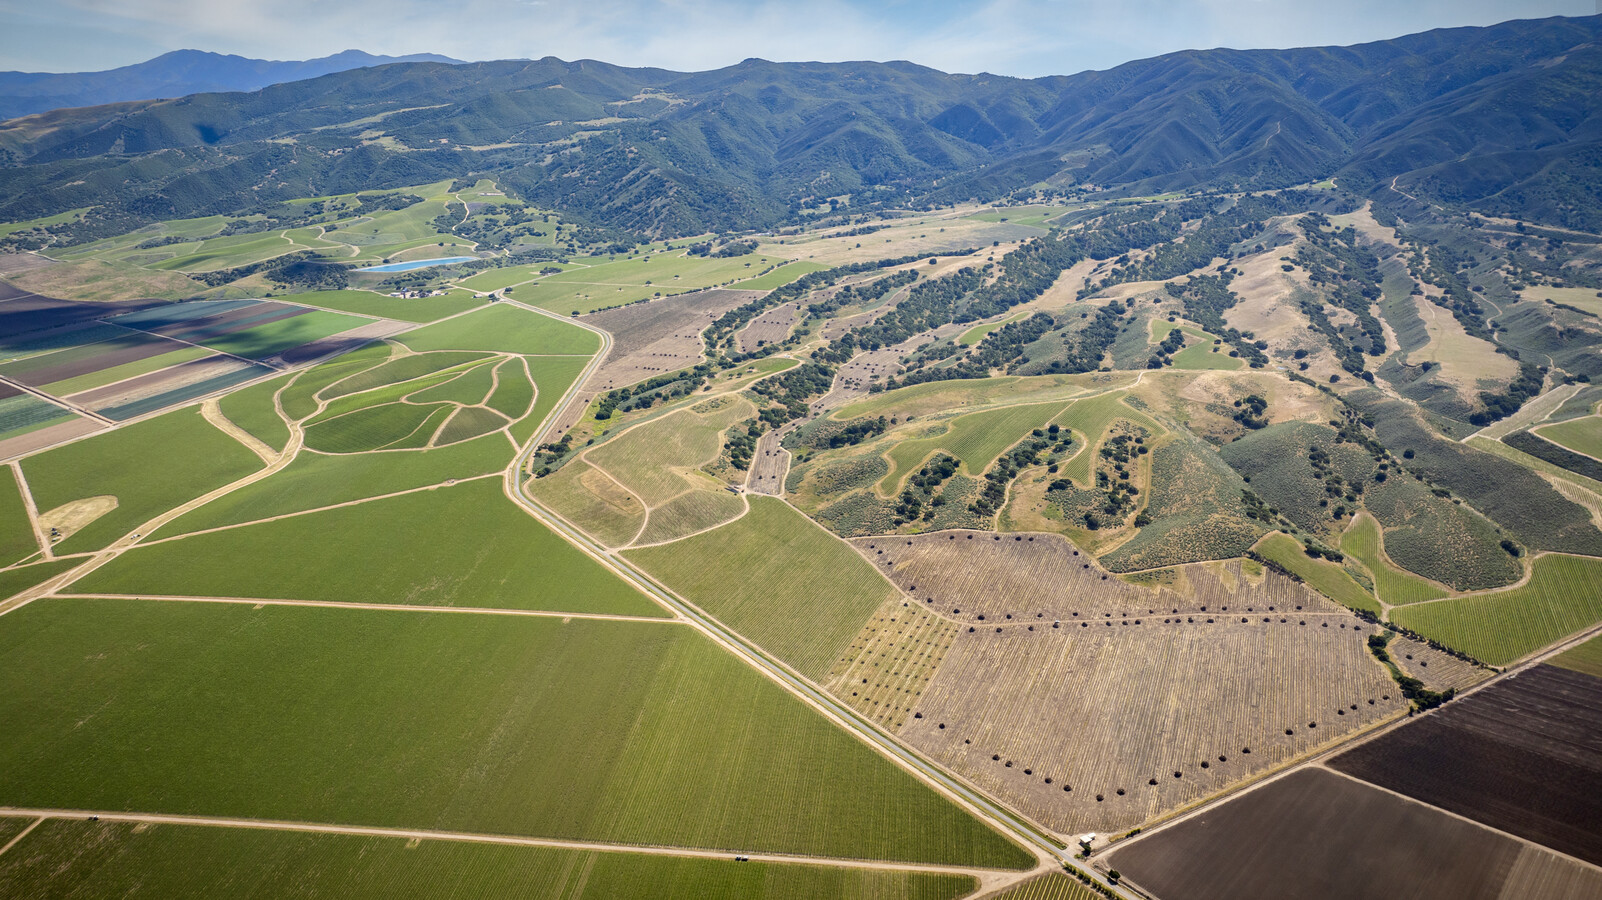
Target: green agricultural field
x=976, y=439
x=776, y=578
x=949, y=396
x=498, y=279
x=299, y=400
x=624, y=281
x=371, y=303
x=16, y=531
x=470, y=422
x=15, y=581
x=587, y=497
x=470, y=387
x=513, y=390
x=1051, y=886
x=689, y=513
x=372, y=428
x=114, y=374
x=1327, y=578
x=505, y=329
x=1560, y=598
x=65, y=857
x=314, y=480
x=275, y=337
x=979, y=332
x=1362, y=542
x=1580, y=435
x=398, y=371
x=255, y=410
x=584, y=729
x=1088, y=419
x=1204, y=355
x=553, y=375
x=647, y=459
x=1586, y=658
x=25, y=412
x=150, y=467
x=1438, y=539
x=780, y=277
x=425, y=432
x=465, y=545
x=227, y=252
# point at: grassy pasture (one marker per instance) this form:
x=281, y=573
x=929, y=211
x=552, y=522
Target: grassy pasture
x=624, y=281
x=263, y=341
x=976, y=439
x=67, y=858
x=1560, y=598
x=944, y=396
x=585, y=729
x=1580, y=435
x=1362, y=542
x=780, y=277
x=498, y=279
x=504, y=329
x=464, y=545
x=585, y=496
x=254, y=410
x=653, y=460
x=150, y=467
x=370, y=303
x=1327, y=578
x=16, y=532
x=979, y=332
x=777, y=578
x=315, y=480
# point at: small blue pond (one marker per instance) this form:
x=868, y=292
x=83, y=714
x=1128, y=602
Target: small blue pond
x=416, y=264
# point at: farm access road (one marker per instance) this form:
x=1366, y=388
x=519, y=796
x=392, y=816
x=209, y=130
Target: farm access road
x=1046, y=850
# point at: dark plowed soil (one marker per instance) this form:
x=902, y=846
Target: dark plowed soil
x=1524, y=755
x=64, y=364
x=1314, y=835
x=24, y=313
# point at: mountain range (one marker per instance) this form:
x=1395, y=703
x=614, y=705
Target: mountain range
x=1501, y=119
x=175, y=74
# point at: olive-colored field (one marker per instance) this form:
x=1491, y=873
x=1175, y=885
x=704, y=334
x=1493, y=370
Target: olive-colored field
x=553, y=375
x=66, y=858
x=1499, y=627
x=657, y=461
x=1398, y=587
x=504, y=329
x=1089, y=420
x=1583, y=435
x=465, y=545
x=1316, y=835
x=975, y=439
x=777, y=578
x=586, y=729
x=369, y=303
x=592, y=500
x=622, y=281
x=949, y=396
x=17, y=541
x=1051, y=886
x=150, y=467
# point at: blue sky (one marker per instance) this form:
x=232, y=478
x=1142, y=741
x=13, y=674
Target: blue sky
x=1009, y=37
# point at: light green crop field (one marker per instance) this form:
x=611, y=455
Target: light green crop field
x=496, y=279
x=464, y=545
x=1582, y=435
x=92, y=380
x=1586, y=658
x=229, y=252
x=369, y=303
x=513, y=390
x=976, y=439
x=609, y=284
x=470, y=422
x=944, y=396
x=1089, y=419
x=979, y=332
x=647, y=459
x=777, y=578
x=70, y=858
x=16, y=531
x=553, y=375
x=299, y=400
x=372, y=428
x=469, y=387
x=254, y=410
x=585, y=496
x=314, y=480
x=780, y=277
x=584, y=729
x=1200, y=352
x=150, y=467
x=396, y=372
x=275, y=337
x=1397, y=587
x=1560, y=598
x=505, y=329
x=688, y=513
x=15, y=581
x=1327, y=578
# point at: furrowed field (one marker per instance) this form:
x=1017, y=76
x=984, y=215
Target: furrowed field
x=64, y=858
x=609, y=731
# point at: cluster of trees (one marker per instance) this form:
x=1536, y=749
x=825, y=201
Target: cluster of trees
x=1206, y=298
x=857, y=432
x=1000, y=349
x=726, y=251
x=1351, y=274
x=653, y=390
x=1163, y=355
x=920, y=498
x=1026, y=452
x=1084, y=352
x=1504, y=403
x=740, y=445
x=303, y=268
x=1249, y=411
x=788, y=392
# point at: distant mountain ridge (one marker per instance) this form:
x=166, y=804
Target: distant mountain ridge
x=1502, y=119
x=175, y=74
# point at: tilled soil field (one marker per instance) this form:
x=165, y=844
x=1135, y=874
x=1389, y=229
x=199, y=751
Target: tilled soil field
x=1523, y=756
x=1314, y=835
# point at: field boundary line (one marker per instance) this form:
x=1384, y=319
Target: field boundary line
x=41, y=814
x=306, y=512
x=1459, y=816
x=745, y=502
x=31, y=508
x=211, y=411
x=56, y=401
x=18, y=839
x=353, y=604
